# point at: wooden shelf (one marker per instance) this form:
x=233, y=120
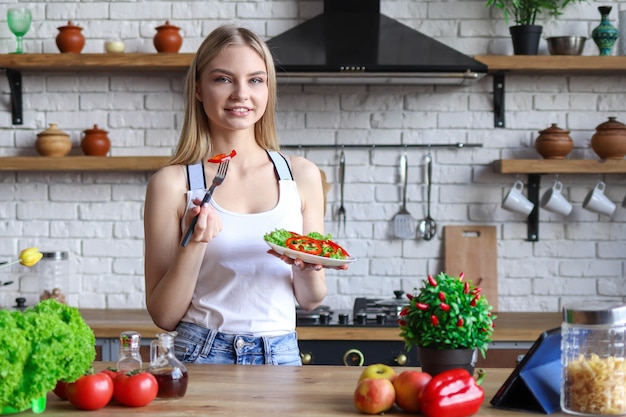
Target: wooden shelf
x=83, y=163
x=559, y=166
x=535, y=168
x=132, y=62
x=554, y=64
x=140, y=62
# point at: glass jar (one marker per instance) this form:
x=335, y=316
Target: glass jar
x=53, y=274
x=593, y=356
x=129, y=358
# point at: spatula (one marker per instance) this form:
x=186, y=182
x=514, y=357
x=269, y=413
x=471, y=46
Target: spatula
x=403, y=224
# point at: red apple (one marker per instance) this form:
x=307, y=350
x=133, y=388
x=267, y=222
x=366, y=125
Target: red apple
x=409, y=386
x=378, y=370
x=374, y=395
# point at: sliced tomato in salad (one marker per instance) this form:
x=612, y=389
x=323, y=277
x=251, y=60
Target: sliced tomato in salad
x=216, y=159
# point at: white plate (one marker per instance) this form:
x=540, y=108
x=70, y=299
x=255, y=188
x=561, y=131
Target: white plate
x=308, y=258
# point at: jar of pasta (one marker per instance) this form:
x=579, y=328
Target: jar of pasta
x=592, y=353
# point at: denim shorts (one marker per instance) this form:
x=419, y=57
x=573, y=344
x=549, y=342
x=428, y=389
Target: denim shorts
x=196, y=344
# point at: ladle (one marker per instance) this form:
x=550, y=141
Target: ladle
x=427, y=227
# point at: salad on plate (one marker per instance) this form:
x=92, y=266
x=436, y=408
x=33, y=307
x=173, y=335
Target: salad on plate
x=314, y=247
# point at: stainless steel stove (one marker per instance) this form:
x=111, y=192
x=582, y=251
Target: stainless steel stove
x=366, y=312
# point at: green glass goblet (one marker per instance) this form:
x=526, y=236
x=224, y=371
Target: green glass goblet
x=19, y=20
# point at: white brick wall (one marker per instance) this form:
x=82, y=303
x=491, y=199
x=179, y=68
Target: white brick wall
x=97, y=217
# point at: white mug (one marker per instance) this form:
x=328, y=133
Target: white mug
x=552, y=200
x=598, y=202
x=516, y=201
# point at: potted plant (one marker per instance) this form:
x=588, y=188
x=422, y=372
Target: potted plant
x=526, y=33
x=448, y=316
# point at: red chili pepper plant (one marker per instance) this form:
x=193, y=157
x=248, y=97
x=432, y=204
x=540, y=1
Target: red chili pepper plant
x=447, y=313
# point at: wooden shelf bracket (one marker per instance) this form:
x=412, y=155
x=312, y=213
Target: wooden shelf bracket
x=15, y=85
x=498, y=99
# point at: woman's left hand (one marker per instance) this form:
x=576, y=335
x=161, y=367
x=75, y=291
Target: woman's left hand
x=303, y=266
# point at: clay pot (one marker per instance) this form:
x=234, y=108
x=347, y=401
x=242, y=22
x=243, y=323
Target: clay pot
x=70, y=38
x=53, y=142
x=554, y=142
x=609, y=141
x=167, y=38
x=95, y=142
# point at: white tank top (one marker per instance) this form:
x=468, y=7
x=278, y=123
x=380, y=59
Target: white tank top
x=241, y=289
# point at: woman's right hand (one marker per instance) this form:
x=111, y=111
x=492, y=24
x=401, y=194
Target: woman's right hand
x=209, y=223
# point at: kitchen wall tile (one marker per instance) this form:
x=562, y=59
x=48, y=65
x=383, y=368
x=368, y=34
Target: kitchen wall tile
x=97, y=216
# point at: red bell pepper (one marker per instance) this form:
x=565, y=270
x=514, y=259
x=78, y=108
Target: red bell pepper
x=452, y=393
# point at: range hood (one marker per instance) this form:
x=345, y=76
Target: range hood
x=352, y=42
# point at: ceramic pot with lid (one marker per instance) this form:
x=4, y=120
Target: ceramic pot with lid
x=554, y=142
x=609, y=141
x=95, y=142
x=53, y=142
x=70, y=39
x=167, y=38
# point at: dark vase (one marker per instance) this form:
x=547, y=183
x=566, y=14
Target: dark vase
x=435, y=361
x=605, y=34
x=525, y=39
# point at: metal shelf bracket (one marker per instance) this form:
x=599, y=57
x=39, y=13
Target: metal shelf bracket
x=534, y=181
x=15, y=85
x=498, y=99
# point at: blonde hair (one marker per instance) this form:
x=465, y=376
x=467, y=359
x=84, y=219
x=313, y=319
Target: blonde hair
x=194, y=142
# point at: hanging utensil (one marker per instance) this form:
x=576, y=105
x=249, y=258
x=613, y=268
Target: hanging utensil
x=341, y=211
x=403, y=226
x=427, y=227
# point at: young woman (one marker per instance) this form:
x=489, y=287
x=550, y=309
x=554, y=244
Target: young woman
x=228, y=298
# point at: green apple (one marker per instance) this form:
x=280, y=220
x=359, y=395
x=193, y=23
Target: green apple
x=378, y=371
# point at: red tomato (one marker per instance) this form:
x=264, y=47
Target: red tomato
x=135, y=389
x=90, y=392
x=112, y=373
x=59, y=390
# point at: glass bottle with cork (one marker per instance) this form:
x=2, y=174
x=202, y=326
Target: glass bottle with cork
x=129, y=358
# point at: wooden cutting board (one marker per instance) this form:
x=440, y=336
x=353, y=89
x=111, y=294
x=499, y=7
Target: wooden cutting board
x=473, y=250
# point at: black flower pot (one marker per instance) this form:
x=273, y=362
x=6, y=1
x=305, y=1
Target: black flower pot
x=435, y=361
x=525, y=39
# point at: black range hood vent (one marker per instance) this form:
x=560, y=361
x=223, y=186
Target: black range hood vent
x=352, y=42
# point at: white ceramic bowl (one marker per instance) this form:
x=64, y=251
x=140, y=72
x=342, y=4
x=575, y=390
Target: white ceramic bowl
x=566, y=45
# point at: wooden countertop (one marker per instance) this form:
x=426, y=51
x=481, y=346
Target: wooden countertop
x=252, y=391
x=510, y=327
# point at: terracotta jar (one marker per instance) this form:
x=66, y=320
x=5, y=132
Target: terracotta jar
x=609, y=141
x=95, y=142
x=554, y=143
x=168, y=38
x=70, y=38
x=53, y=142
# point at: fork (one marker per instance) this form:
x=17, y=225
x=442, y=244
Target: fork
x=341, y=211
x=217, y=180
